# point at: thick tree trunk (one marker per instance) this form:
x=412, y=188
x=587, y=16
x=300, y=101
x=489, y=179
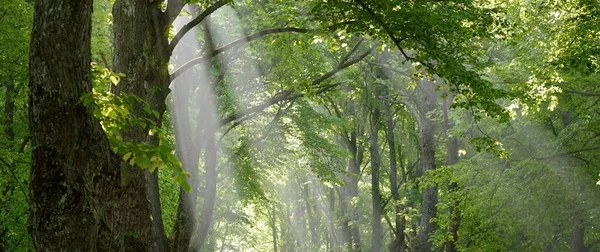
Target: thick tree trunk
x=80, y=200
x=139, y=27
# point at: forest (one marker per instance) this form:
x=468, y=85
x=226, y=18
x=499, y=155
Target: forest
x=300, y=125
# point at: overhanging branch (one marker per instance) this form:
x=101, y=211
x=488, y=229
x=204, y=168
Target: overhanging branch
x=289, y=96
x=393, y=37
x=195, y=22
x=231, y=45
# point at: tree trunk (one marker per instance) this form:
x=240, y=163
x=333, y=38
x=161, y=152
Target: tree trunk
x=139, y=27
x=398, y=243
x=356, y=153
x=311, y=213
x=80, y=200
x=343, y=216
x=377, y=228
x=9, y=109
x=333, y=240
x=274, y=226
x=578, y=239
x=210, y=193
x=426, y=104
x=451, y=159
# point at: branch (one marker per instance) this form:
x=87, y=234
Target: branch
x=345, y=58
x=24, y=144
x=558, y=155
x=195, y=22
x=103, y=57
x=231, y=45
x=389, y=32
x=287, y=95
x=344, y=65
x=281, y=96
x=9, y=167
x=573, y=91
x=173, y=9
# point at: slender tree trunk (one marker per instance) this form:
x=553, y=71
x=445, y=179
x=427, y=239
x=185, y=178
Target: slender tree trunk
x=210, y=193
x=311, y=216
x=398, y=243
x=343, y=216
x=356, y=153
x=81, y=200
x=427, y=162
x=9, y=109
x=274, y=226
x=578, y=239
x=376, y=226
x=332, y=237
x=451, y=159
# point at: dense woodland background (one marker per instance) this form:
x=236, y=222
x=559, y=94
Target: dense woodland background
x=300, y=125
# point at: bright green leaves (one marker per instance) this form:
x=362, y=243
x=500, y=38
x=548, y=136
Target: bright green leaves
x=325, y=158
x=489, y=145
x=247, y=178
x=116, y=116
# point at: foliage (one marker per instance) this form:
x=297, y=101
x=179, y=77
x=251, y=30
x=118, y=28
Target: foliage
x=114, y=113
x=15, y=152
x=523, y=75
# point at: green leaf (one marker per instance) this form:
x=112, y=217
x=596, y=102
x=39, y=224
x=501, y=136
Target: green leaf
x=127, y=156
x=114, y=79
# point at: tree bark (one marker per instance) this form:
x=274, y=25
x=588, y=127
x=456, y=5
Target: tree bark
x=451, y=159
x=577, y=238
x=398, y=243
x=376, y=226
x=80, y=200
x=274, y=226
x=351, y=190
x=426, y=104
x=139, y=27
x=9, y=109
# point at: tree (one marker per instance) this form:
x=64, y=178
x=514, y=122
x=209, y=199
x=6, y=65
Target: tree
x=81, y=199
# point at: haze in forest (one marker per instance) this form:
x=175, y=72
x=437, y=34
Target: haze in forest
x=232, y=125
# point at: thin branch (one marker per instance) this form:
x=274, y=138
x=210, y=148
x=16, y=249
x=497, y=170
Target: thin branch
x=281, y=96
x=344, y=65
x=287, y=95
x=186, y=28
x=9, y=167
x=103, y=57
x=24, y=144
x=345, y=58
x=389, y=32
x=558, y=155
x=573, y=91
x=231, y=45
